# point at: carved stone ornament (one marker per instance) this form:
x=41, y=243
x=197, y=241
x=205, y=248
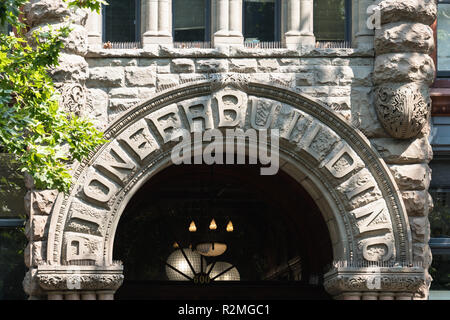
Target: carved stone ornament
x=403, y=110
x=73, y=97
x=374, y=279
x=62, y=278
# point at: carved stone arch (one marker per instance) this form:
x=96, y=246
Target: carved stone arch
x=332, y=160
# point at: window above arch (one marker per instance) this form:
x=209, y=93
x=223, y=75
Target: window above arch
x=191, y=23
x=261, y=20
x=332, y=20
x=121, y=21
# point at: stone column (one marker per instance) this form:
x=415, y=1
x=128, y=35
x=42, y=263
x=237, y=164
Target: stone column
x=157, y=27
x=94, y=28
x=403, y=72
x=299, y=24
x=364, y=34
x=228, y=17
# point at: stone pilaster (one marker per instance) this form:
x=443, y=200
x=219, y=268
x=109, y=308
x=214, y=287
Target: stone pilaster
x=157, y=23
x=228, y=22
x=299, y=29
x=403, y=72
x=94, y=29
x=69, y=78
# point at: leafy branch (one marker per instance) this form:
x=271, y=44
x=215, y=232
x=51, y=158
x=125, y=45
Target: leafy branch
x=43, y=138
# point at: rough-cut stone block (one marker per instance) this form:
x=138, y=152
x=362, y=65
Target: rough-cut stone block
x=242, y=65
x=183, y=66
x=140, y=76
x=45, y=11
x=407, y=10
x=106, y=77
x=167, y=80
x=418, y=203
x=364, y=116
x=211, y=65
x=124, y=93
x=327, y=75
x=34, y=253
x=397, y=151
x=304, y=79
x=412, y=176
x=42, y=201
x=110, y=62
x=404, y=37
x=71, y=68
x=38, y=228
x=420, y=227
x=403, y=67
x=98, y=100
x=268, y=65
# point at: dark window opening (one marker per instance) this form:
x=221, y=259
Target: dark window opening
x=191, y=22
x=332, y=20
x=121, y=21
x=261, y=20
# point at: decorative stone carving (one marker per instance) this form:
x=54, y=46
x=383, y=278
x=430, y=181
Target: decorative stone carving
x=61, y=278
x=73, y=97
x=374, y=278
x=403, y=110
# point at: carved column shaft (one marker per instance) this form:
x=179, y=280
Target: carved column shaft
x=157, y=23
x=299, y=25
x=228, y=17
x=94, y=28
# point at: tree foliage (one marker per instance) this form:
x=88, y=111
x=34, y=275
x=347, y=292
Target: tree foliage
x=43, y=138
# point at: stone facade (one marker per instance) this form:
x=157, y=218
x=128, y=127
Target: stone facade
x=371, y=102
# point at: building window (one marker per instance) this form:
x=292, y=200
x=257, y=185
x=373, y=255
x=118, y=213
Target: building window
x=443, y=38
x=261, y=20
x=121, y=21
x=332, y=20
x=191, y=22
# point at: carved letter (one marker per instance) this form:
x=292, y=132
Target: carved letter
x=98, y=193
x=191, y=109
x=139, y=139
x=167, y=121
x=380, y=245
x=377, y=219
x=111, y=167
x=341, y=171
x=82, y=247
x=224, y=120
x=262, y=115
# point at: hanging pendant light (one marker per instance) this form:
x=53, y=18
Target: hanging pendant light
x=213, y=225
x=192, y=227
x=230, y=226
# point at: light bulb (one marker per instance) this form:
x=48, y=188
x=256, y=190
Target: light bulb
x=213, y=225
x=192, y=227
x=230, y=226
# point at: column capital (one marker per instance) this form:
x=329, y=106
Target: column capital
x=76, y=278
x=344, y=280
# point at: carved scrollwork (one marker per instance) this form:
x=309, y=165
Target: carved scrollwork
x=343, y=280
x=403, y=110
x=73, y=97
x=62, y=278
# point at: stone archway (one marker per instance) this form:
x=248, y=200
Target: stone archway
x=335, y=163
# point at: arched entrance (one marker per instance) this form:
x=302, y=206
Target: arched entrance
x=348, y=181
x=279, y=242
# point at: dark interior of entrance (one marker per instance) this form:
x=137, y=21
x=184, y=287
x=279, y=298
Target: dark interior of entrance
x=277, y=245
